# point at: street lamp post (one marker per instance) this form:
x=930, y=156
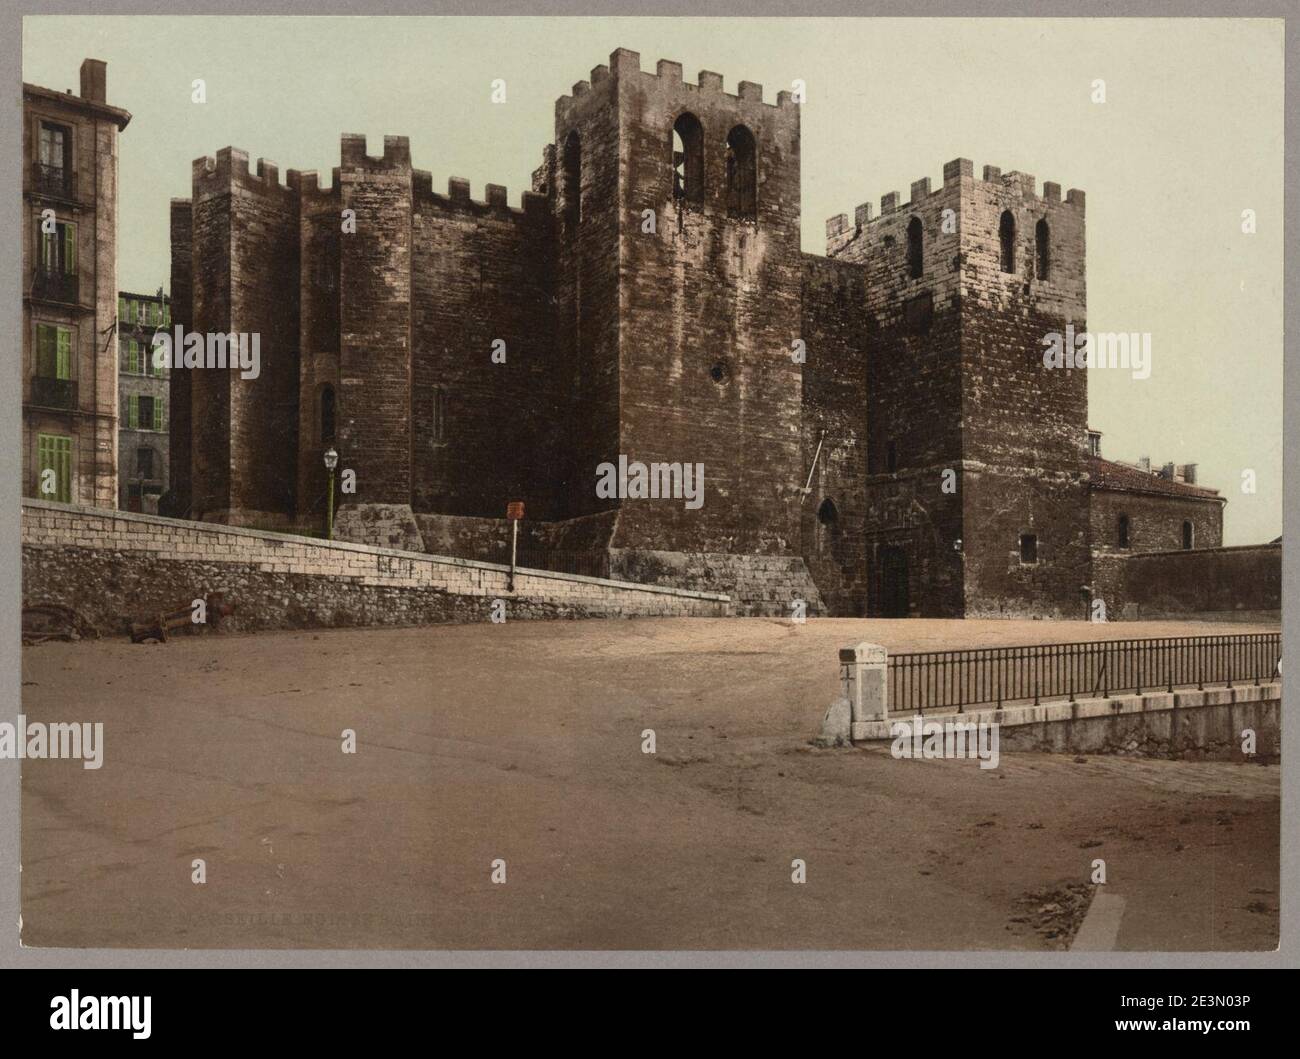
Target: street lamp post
x=331, y=461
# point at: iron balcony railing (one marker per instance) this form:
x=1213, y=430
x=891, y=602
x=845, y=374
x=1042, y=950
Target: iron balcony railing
x=54, y=180
x=53, y=393
x=51, y=284
x=997, y=676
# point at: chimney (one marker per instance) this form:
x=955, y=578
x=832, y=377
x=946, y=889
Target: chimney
x=1167, y=471
x=1189, y=473
x=1145, y=463
x=94, y=80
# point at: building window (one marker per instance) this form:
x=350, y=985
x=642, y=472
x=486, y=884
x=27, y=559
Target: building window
x=54, y=164
x=1188, y=535
x=742, y=174
x=144, y=463
x=439, y=431
x=1123, y=531
x=1007, y=237
x=53, y=351
x=891, y=457
x=56, y=146
x=1043, y=246
x=915, y=252
x=688, y=159
x=54, y=467
x=1028, y=549
x=572, y=187
x=59, y=249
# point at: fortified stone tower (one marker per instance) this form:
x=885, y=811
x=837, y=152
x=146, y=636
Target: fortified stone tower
x=964, y=284
x=678, y=288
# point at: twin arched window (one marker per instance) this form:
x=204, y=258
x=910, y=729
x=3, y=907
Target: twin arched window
x=688, y=159
x=741, y=166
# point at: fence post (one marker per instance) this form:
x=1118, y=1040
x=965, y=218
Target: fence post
x=864, y=669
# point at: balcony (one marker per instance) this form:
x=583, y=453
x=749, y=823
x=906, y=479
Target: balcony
x=55, y=181
x=54, y=393
x=52, y=285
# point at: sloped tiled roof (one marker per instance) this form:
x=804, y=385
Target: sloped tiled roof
x=1106, y=474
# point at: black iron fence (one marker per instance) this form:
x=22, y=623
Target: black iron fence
x=56, y=285
x=53, y=393
x=998, y=676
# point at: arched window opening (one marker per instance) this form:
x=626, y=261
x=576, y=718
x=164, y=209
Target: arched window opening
x=742, y=174
x=1007, y=236
x=572, y=186
x=1187, y=536
x=1043, y=245
x=891, y=458
x=688, y=159
x=1123, y=531
x=827, y=514
x=915, y=251
x=327, y=413
x=829, y=518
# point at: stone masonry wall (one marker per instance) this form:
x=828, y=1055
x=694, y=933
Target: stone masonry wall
x=1206, y=584
x=116, y=567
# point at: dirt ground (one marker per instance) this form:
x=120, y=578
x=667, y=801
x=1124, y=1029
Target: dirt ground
x=523, y=742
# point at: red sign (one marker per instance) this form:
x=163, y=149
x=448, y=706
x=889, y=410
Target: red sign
x=515, y=510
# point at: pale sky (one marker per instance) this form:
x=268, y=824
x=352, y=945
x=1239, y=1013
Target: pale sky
x=1190, y=135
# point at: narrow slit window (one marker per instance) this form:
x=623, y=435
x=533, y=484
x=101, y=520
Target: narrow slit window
x=1043, y=248
x=572, y=189
x=915, y=249
x=1007, y=237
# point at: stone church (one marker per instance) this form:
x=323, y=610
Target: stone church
x=878, y=432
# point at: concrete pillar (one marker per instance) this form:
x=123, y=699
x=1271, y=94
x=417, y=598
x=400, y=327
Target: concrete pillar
x=863, y=671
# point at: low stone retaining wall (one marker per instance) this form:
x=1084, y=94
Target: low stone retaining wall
x=115, y=567
x=1209, y=724
x=1204, y=725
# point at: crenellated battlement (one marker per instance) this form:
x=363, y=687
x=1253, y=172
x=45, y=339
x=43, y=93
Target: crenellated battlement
x=353, y=154
x=626, y=64
x=954, y=173
x=230, y=168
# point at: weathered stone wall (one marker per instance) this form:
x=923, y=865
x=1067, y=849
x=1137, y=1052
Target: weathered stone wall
x=1212, y=584
x=1155, y=521
x=116, y=567
x=709, y=308
x=759, y=585
x=834, y=417
x=177, y=500
x=484, y=432
x=956, y=382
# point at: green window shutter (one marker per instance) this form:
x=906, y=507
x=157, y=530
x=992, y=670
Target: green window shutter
x=54, y=453
x=121, y=310
x=133, y=412
x=49, y=241
x=46, y=350
x=70, y=248
x=157, y=413
x=63, y=354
